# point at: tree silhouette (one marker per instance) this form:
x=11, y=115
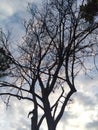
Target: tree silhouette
x=56, y=46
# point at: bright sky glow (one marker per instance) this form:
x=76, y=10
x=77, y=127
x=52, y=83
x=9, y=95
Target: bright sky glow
x=5, y=11
x=81, y=115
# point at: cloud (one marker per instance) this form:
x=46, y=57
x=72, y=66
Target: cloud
x=15, y=117
x=5, y=11
x=12, y=15
x=10, y=7
x=12, y=11
x=92, y=125
x=85, y=100
x=82, y=111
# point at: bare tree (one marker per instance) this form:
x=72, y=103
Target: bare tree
x=57, y=43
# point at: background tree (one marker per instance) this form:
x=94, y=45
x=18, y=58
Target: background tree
x=57, y=44
x=89, y=10
x=5, y=60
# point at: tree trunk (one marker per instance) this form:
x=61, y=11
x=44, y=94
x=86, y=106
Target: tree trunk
x=50, y=121
x=51, y=125
x=49, y=118
x=33, y=124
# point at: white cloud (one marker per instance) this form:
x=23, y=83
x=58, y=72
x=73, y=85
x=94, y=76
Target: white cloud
x=15, y=116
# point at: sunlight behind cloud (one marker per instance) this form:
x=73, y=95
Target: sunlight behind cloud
x=5, y=11
x=10, y=7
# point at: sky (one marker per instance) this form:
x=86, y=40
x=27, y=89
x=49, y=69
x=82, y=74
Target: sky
x=82, y=114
